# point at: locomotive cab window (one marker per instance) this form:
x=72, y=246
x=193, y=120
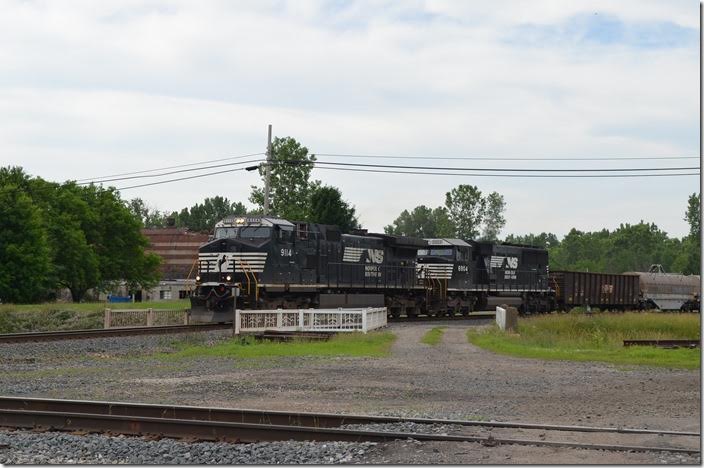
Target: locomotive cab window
x=435, y=252
x=226, y=232
x=285, y=235
x=255, y=233
x=302, y=232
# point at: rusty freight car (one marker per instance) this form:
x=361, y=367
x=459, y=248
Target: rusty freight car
x=601, y=290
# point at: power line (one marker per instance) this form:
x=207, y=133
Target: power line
x=182, y=178
x=413, y=170
x=486, y=169
x=171, y=172
x=506, y=175
x=172, y=167
x=488, y=158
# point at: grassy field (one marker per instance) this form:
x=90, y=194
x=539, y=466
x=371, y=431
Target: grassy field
x=599, y=337
x=15, y=318
x=373, y=344
x=433, y=337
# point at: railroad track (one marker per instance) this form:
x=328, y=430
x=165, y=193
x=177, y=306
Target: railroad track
x=103, y=333
x=238, y=425
x=162, y=330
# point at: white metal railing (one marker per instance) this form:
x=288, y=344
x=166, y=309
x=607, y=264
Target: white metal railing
x=332, y=320
x=117, y=318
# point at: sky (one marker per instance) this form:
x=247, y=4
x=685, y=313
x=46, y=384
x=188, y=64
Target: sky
x=89, y=89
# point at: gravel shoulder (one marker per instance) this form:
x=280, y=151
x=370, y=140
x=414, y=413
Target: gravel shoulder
x=453, y=379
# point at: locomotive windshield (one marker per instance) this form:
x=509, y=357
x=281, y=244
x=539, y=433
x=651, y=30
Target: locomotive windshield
x=435, y=252
x=247, y=232
x=225, y=232
x=251, y=232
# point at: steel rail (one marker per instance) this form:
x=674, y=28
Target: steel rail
x=664, y=343
x=254, y=416
x=107, y=332
x=248, y=432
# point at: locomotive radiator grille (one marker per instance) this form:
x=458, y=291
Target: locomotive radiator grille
x=232, y=262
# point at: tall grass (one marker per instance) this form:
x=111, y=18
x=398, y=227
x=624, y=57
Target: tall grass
x=16, y=318
x=598, y=338
x=373, y=344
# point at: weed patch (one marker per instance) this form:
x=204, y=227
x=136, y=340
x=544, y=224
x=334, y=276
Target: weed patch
x=374, y=344
x=433, y=337
x=577, y=337
x=17, y=318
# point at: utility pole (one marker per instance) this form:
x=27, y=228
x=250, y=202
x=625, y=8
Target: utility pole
x=267, y=177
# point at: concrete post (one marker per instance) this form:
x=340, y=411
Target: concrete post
x=364, y=320
x=107, y=317
x=150, y=317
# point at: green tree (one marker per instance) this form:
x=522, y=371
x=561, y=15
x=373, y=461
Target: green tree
x=688, y=259
x=422, y=222
x=150, y=217
x=290, y=185
x=203, y=216
x=636, y=247
x=76, y=263
x=328, y=207
x=546, y=240
x=465, y=206
x=25, y=258
x=580, y=251
x=494, y=221
x=693, y=216
x=115, y=235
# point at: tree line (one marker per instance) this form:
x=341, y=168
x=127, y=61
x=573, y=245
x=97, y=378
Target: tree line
x=55, y=236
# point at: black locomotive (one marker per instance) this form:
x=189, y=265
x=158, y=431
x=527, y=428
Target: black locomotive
x=269, y=263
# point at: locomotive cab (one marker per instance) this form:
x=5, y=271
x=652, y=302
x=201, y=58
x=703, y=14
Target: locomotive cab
x=234, y=264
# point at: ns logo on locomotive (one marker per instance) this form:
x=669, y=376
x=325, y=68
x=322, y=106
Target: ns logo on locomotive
x=270, y=263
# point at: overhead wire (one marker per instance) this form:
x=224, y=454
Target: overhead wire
x=487, y=169
x=491, y=158
x=182, y=178
x=434, y=171
x=508, y=175
x=242, y=156
x=171, y=172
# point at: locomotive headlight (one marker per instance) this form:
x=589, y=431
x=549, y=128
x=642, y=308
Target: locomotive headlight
x=197, y=277
x=228, y=278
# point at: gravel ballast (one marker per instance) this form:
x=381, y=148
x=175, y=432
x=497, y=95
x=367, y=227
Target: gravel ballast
x=453, y=380
x=20, y=447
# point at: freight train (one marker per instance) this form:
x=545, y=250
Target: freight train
x=270, y=263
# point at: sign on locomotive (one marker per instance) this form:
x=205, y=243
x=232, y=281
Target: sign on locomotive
x=270, y=263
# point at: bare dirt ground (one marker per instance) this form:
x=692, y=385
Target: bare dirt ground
x=451, y=380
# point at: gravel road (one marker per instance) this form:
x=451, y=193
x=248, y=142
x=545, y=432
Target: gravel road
x=451, y=380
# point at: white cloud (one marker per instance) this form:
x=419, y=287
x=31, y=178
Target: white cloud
x=91, y=88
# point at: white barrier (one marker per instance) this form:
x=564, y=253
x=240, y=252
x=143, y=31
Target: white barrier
x=506, y=318
x=123, y=318
x=332, y=320
x=501, y=317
